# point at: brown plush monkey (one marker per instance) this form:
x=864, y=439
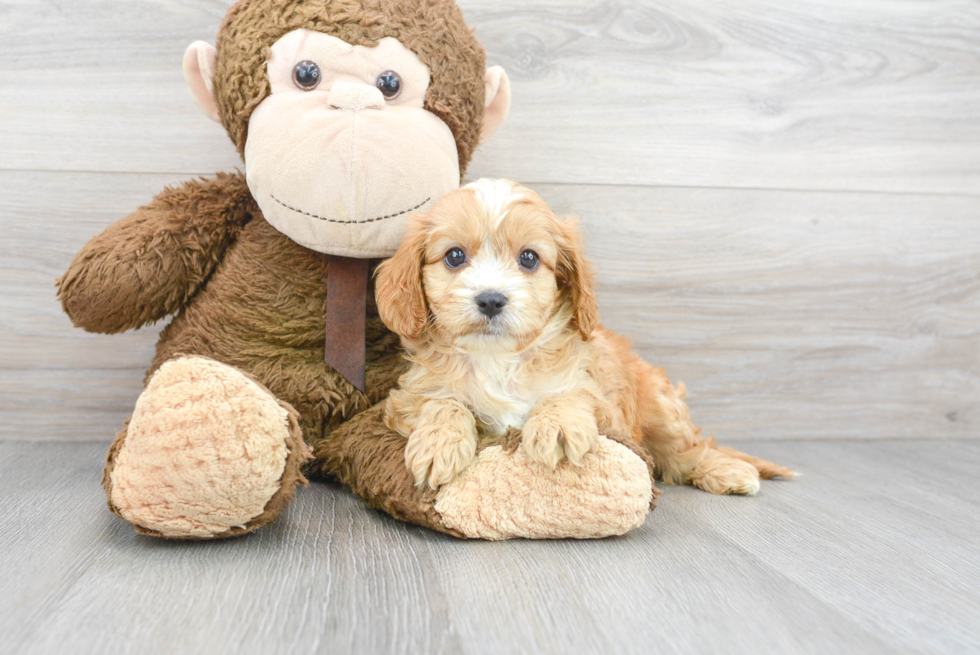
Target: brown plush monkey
x=349, y=115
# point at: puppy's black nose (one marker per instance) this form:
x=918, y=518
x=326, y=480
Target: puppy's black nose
x=491, y=303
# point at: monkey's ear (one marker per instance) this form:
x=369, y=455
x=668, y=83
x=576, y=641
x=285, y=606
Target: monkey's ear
x=199, y=72
x=498, y=101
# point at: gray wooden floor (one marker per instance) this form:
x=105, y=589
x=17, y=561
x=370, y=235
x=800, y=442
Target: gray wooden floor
x=873, y=549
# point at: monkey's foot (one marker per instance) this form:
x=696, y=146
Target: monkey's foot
x=504, y=495
x=208, y=453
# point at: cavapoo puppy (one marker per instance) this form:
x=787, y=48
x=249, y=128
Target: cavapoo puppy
x=494, y=303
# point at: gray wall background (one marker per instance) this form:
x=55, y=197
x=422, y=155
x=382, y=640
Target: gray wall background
x=782, y=199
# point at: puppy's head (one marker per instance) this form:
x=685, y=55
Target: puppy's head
x=488, y=266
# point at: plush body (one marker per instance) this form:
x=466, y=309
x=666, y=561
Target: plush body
x=265, y=320
x=239, y=405
x=261, y=309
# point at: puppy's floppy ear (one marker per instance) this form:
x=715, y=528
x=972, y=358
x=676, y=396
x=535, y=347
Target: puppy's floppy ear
x=398, y=288
x=575, y=277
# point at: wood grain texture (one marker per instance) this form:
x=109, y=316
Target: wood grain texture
x=788, y=314
x=816, y=94
x=854, y=556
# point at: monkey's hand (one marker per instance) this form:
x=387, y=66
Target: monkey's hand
x=149, y=264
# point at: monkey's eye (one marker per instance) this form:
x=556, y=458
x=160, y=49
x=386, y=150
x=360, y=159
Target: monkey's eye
x=390, y=84
x=528, y=260
x=455, y=258
x=306, y=75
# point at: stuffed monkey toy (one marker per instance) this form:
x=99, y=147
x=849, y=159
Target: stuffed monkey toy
x=349, y=115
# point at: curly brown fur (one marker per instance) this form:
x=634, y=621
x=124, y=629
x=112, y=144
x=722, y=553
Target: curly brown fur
x=367, y=457
x=149, y=264
x=454, y=56
x=264, y=315
x=258, y=301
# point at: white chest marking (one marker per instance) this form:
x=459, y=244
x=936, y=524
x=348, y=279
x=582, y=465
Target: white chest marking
x=498, y=393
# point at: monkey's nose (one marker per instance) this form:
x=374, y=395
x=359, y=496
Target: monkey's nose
x=491, y=303
x=349, y=95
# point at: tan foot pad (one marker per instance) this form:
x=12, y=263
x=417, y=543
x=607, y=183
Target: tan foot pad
x=502, y=496
x=205, y=452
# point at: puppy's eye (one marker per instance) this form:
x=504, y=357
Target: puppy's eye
x=529, y=260
x=455, y=258
x=390, y=84
x=306, y=75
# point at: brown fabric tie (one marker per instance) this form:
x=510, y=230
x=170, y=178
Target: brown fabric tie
x=347, y=280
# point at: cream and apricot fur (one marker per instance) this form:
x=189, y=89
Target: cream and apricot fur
x=537, y=360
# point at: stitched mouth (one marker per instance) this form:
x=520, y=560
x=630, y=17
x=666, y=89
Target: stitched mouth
x=334, y=220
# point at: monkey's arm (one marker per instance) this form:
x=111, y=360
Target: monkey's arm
x=149, y=264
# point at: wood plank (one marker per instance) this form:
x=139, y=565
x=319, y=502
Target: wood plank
x=813, y=95
x=119, y=93
x=56, y=381
x=864, y=540
x=805, y=95
x=68, y=404
x=54, y=525
x=336, y=577
x=788, y=314
x=796, y=314
x=834, y=558
x=45, y=218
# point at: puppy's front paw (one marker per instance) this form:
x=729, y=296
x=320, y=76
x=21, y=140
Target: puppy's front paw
x=547, y=440
x=436, y=455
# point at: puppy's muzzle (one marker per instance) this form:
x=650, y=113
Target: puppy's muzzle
x=491, y=303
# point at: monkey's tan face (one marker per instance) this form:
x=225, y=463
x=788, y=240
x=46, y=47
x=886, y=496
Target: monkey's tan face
x=343, y=150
